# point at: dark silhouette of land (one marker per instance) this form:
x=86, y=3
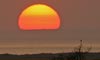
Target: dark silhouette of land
x=47, y=56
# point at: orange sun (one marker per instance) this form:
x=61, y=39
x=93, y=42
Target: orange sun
x=37, y=17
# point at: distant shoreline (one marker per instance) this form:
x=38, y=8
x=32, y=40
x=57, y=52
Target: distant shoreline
x=45, y=56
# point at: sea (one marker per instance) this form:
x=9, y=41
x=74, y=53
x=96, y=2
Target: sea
x=38, y=50
x=34, y=50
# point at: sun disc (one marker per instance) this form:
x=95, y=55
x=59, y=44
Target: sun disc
x=39, y=16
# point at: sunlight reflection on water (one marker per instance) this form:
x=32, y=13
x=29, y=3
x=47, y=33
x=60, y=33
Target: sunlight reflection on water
x=33, y=50
x=38, y=50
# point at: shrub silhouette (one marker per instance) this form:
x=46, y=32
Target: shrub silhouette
x=78, y=53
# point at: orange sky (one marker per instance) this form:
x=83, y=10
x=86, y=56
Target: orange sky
x=80, y=19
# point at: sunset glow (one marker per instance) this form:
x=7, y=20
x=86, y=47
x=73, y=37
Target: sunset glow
x=37, y=17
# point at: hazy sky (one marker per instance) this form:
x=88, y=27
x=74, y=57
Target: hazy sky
x=80, y=19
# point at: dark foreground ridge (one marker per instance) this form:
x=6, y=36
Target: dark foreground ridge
x=48, y=56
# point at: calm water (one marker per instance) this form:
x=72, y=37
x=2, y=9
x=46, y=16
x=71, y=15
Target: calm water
x=36, y=50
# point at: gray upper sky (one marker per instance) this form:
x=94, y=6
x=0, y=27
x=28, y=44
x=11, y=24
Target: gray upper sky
x=80, y=19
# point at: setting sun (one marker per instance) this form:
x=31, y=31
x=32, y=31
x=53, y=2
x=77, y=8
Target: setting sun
x=37, y=17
